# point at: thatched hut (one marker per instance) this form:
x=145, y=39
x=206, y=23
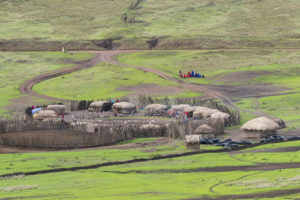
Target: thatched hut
x=100, y=106
x=183, y=108
x=156, y=110
x=124, y=107
x=201, y=112
x=258, y=128
x=205, y=131
x=59, y=109
x=192, y=142
x=44, y=114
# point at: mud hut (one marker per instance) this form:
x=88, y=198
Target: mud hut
x=205, y=131
x=258, y=128
x=44, y=114
x=192, y=142
x=124, y=107
x=59, y=109
x=201, y=112
x=100, y=106
x=183, y=108
x=156, y=110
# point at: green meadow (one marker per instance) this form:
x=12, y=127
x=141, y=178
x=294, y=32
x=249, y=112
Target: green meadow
x=101, y=82
x=170, y=178
x=17, y=67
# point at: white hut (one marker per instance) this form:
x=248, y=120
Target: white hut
x=44, y=114
x=261, y=127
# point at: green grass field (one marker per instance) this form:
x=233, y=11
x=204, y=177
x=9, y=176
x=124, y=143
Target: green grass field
x=102, y=82
x=17, y=67
x=147, y=180
x=213, y=21
x=278, y=67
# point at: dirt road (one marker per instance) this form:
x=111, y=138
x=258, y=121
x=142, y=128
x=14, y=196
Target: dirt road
x=107, y=56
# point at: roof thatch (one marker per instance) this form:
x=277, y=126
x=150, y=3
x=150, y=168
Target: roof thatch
x=60, y=109
x=192, y=139
x=182, y=107
x=124, y=106
x=155, y=107
x=44, y=114
x=100, y=106
x=204, y=129
x=260, y=124
x=205, y=113
x=280, y=123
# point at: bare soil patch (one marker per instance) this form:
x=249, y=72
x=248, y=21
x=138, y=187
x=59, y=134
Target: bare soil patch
x=246, y=91
x=152, y=89
x=241, y=76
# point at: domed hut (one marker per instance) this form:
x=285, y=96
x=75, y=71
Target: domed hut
x=100, y=106
x=258, y=128
x=124, y=107
x=59, y=109
x=44, y=114
x=192, y=142
x=201, y=112
x=156, y=110
x=205, y=131
x=183, y=108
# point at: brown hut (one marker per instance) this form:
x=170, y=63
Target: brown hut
x=156, y=110
x=192, y=142
x=124, y=107
x=258, y=128
x=205, y=131
x=59, y=109
x=183, y=108
x=201, y=112
x=100, y=106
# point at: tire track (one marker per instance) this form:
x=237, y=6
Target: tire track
x=270, y=194
x=26, y=87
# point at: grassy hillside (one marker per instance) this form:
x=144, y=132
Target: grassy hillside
x=177, y=24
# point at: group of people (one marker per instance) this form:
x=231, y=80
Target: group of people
x=191, y=75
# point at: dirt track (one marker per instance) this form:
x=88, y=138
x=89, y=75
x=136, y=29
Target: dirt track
x=107, y=56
